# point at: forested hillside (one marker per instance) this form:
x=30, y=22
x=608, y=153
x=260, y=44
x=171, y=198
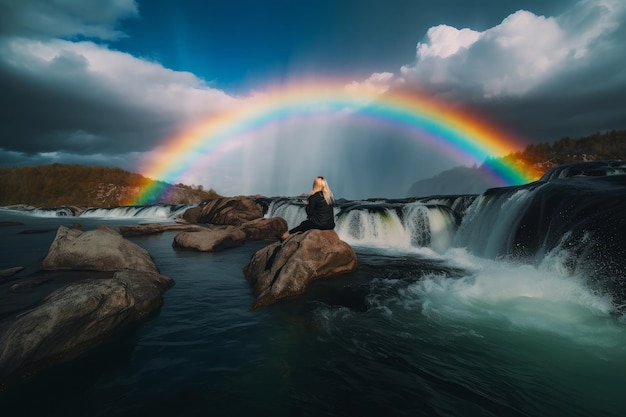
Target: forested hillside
x=85, y=186
x=597, y=147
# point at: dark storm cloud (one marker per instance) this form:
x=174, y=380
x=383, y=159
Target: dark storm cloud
x=572, y=105
x=80, y=97
x=45, y=115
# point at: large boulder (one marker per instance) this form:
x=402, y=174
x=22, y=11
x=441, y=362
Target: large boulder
x=76, y=317
x=101, y=249
x=286, y=269
x=232, y=211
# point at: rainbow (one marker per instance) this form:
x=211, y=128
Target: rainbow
x=468, y=136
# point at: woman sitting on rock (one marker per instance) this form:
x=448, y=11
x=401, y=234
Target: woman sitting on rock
x=319, y=209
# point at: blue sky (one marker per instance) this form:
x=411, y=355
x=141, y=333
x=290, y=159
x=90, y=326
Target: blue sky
x=106, y=82
x=237, y=45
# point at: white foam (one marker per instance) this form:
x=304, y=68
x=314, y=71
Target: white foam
x=157, y=212
x=499, y=294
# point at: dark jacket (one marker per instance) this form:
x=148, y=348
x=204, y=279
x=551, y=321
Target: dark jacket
x=320, y=212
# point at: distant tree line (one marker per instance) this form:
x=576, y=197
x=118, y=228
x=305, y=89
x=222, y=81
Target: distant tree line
x=78, y=185
x=599, y=146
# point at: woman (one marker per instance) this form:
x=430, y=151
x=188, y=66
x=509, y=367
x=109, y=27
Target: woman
x=319, y=209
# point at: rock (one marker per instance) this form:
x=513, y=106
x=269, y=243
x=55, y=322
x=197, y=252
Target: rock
x=29, y=283
x=233, y=211
x=260, y=229
x=76, y=317
x=286, y=269
x=211, y=239
x=9, y=272
x=102, y=249
x=153, y=228
x=217, y=238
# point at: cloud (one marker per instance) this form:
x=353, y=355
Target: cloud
x=444, y=40
x=519, y=55
x=88, y=98
x=64, y=18
x=67, y=98
x=377, y=84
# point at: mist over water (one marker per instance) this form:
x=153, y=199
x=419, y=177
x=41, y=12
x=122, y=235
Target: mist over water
x=359, y=159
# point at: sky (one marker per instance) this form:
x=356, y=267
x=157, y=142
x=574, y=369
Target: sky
x=109, y=82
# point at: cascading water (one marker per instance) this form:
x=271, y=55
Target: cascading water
x=156, y=211
x=573, y=226
x=49, y=212
x=372, y=226
x=381, y=224
x=488, y=223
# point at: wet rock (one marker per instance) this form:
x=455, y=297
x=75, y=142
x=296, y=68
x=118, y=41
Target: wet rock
x=76, y=317
x=286, y=269
x=154, y=228
x=9, y=272
x=211, y=239
x=102, y=249
x=217, y=238
x=233, y=211
x=260, y=229
x=29, y=283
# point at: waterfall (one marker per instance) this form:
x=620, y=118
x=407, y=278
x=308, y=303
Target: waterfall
x=155, y=211
x=381, y=224
x=50, y=212
x=489, y=223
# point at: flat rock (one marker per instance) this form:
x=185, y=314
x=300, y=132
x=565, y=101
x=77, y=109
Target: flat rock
x=211, y=239
x=154, y=228
x=217, y=238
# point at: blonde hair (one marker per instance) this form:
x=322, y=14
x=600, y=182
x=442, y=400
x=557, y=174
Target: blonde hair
x=320, y=184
